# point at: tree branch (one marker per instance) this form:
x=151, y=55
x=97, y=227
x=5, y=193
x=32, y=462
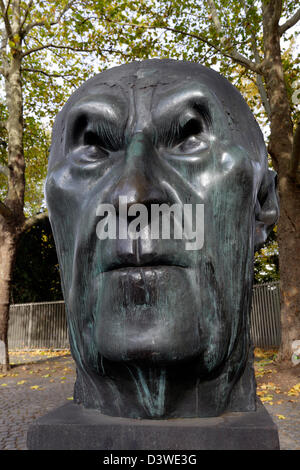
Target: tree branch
x=55, y=75
x=6, y=212
x=227, y=51
x=289, y=23
x=5, y=18
x=26, y=30
x=26, y=15
x=215, y=16
x=69, y=48
x=29, y=222
x=54, y=46
x=233, y=54
x=259, y=80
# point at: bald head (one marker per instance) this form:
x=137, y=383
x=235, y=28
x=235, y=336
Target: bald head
x=151, y=94
x=148, y=317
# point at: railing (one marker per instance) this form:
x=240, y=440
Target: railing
x=265, y=316
x=38, y=326
x=43, y=325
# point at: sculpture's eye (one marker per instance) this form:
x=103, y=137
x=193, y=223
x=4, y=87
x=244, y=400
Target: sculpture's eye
x=191, y=128
x=91, y=138
x=191, y=139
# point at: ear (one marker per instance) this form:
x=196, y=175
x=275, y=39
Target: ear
x=266, y=208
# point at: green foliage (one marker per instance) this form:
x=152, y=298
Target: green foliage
x=187, y=30
x=93, y=35
x=36, y=273
x=266, y=261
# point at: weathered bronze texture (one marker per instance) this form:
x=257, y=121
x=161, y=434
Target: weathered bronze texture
x=158, y=331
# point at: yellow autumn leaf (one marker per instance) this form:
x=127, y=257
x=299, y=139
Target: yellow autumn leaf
x=267, y=398
x=69, y=398
x=281, y=417
x=35, y=387
x=3, y=385
x=21, y=382
x=46, y=376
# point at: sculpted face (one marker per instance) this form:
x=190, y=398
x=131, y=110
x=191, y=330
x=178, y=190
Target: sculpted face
x=158, y=330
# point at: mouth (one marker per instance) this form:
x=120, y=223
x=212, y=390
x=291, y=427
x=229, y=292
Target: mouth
x=139, y=266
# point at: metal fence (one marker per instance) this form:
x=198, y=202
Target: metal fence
x=265, y=316
x=43, y=325
x=38, y=326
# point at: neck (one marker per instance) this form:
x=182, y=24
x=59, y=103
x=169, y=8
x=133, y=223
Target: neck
x=160, y=392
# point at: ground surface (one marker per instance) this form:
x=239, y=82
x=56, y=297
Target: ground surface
x=42, y=380
x=278, y=387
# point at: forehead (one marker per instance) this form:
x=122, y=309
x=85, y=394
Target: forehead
x=134, y=91
x=148, y=101
x=143, y=87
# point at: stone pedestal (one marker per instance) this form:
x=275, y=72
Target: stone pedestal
x=73, y=427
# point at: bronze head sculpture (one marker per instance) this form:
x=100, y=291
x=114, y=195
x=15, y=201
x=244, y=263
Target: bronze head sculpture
x=156, y=330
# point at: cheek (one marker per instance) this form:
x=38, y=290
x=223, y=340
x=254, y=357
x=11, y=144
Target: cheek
x=64, y=195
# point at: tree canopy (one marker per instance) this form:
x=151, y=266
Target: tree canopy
x=48, y=48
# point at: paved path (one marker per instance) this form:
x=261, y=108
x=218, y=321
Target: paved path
x=21, y=404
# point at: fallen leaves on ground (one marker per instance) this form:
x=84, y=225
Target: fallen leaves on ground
x=294, y=391
x=263, y=359
x=41, y=352
x=274, y=386
x=263, y=391
x=265, y=354
x=35, y=370
x=275, y=383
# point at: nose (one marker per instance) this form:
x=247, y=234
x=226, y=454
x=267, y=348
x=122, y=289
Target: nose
x=138, y=181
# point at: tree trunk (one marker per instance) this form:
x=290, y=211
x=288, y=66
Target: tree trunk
x=289, y=262
x=280, y=149
x=8, y=244
x=12, y=216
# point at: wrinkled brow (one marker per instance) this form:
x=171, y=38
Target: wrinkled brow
x=105, y=116
x=176, y=109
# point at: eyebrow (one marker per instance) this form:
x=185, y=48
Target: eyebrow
x=97, y=116
x=180, y=97
x=171, y=110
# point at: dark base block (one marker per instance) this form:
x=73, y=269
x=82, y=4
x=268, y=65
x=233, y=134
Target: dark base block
x=73, y=427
